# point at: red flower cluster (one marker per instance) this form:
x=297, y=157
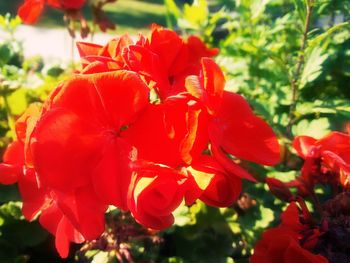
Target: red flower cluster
x=292, y=241
x=144, y=126
x=327, y=161
x=30, y=10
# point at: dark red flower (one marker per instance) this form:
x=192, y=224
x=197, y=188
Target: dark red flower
x=290, y=242
x=326, y=161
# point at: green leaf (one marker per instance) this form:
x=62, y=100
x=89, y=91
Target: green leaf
x=257, y=9
x=300, y=7
x=195, y=16
x=12, y=209
x=317, y=41
x=313, y=66
x=315, y=128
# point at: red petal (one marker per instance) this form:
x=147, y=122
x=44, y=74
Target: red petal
x=239, y=132
x=65, y=149
x=222, y=191
x=34, y=198
x=302, y=145
x=111, y=177
x=155, y=192
x=31, y=10
x=88, y=49
x=173, y=132
x=12, y=168
x=209, y=86
x=123, y=95
x=219, y=188
x=198, y=49
x=84, y=211
x=229, y=165
x=163, y=39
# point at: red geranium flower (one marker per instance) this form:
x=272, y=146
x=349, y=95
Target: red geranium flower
x=290, y=242
x=326, y=161
x=138, y=128
x=71, y=216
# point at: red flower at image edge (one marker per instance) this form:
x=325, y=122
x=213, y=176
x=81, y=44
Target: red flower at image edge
x=290, y=242
x=30, y=10
x=102, y=138
x=327, y=160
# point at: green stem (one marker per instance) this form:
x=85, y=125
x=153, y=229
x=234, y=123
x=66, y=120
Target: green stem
x=295, y=81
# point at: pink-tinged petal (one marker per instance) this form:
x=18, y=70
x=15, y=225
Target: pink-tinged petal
x=303, y=144
x=88, y=49
x=229, y=165
x=30, y=11
x=111, y=177
x=235, y=127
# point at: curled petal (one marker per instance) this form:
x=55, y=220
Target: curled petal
x=218, y=188
x=155, y=192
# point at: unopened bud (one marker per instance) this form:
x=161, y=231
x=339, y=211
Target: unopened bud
x=279, y=189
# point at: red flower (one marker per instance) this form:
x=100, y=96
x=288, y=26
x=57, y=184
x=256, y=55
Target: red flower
x=71, y=216
x=232, y=124
x=30, y=10
x=155, y=192
x=326, y=161
x=290, y=242
x=128, y=132
x=86, y=135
